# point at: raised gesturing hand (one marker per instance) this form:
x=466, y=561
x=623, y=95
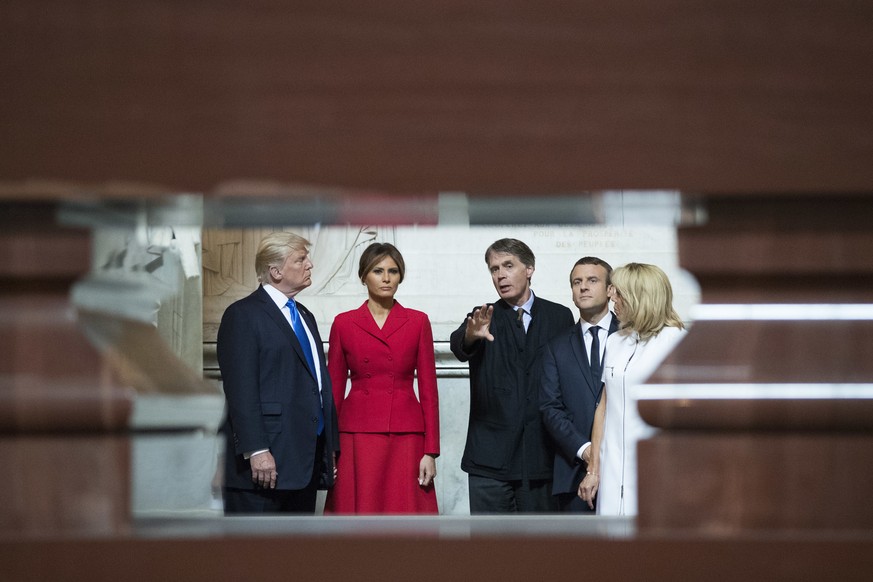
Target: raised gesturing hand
x=479, y=324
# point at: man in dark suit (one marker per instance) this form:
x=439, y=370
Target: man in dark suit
x=508, y=456
x=570, y=384
x=281, y=421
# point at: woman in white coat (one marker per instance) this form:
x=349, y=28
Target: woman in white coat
x=650, y=329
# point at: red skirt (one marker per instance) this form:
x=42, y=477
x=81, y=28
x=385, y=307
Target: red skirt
x=378, y=473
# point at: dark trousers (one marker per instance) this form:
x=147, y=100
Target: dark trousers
x=571, y=503
x=516, y=496
x=259, y=501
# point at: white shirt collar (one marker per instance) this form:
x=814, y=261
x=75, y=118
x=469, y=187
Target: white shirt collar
x=277, y=296
x=604, y=323
x=527, y=305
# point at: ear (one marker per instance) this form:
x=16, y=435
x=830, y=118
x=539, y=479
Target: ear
x=530, y=271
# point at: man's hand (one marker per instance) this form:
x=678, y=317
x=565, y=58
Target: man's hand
x=264, y=470
x=478, y=325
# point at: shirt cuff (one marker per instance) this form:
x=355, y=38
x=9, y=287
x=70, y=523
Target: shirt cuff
x=253, y=453
x=582, y=450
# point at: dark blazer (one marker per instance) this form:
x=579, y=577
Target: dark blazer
x=505, y=436
x=383, y=364
x=568, y=396
x=272, y=395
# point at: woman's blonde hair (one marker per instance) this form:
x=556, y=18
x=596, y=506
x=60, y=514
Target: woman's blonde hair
x=647, y=299
x=274, y=249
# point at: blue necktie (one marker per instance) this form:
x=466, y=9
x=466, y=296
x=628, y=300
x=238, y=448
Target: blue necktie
x=300, y=332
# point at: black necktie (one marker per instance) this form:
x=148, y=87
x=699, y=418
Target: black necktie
x=596, y=370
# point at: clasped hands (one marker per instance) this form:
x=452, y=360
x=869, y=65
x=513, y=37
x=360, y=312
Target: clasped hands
x=588, y=488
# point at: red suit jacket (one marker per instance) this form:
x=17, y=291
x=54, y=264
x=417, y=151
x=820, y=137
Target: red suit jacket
x=382, y=363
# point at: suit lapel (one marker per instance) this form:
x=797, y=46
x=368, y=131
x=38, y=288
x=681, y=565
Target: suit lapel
x=275, y=313
x=596, y=382
x=613, y=326
x=364, y=320
x=534, y=326
x=398, y=317
x=309, y=318
x=505, y=312
x=578, y=348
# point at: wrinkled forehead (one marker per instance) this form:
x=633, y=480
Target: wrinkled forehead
x=497, y=258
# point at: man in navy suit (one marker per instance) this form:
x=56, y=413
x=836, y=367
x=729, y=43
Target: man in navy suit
x=570, y=385
x=508, y=456
x=281, y=426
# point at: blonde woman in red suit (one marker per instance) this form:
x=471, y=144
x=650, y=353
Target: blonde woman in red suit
x=389, y=438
